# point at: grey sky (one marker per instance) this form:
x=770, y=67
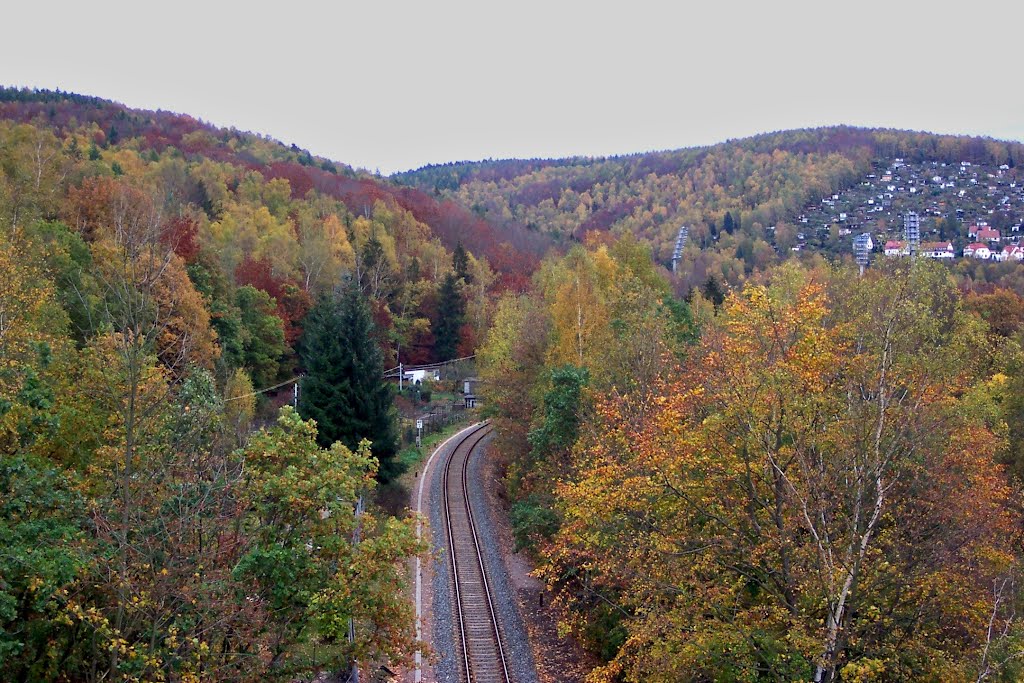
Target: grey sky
x=395, y=85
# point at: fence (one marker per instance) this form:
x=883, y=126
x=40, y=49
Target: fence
x=439, y=417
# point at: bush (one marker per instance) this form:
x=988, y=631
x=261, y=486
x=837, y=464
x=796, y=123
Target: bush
x=426, y=390
x=532, y=521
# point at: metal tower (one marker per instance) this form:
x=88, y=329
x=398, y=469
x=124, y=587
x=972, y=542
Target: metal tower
x=862, y=246
x=912, y=231
x=677, y=253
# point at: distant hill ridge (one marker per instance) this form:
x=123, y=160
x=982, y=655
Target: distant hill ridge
x=513, y=210
x=741, y=187
x=113, y=123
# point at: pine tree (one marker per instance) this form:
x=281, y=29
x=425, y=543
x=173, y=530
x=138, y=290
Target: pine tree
x=713, y=292
x=344, y=389
x=460, y=263
x=451, y=312
x=727, y=224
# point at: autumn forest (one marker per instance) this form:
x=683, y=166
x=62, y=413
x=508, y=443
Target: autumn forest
x=766, y=465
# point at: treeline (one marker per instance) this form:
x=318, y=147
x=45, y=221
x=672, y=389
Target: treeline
x=147, y=295
x=758, y=182
x=510, y=251
x=816, y=479
x=244, y=212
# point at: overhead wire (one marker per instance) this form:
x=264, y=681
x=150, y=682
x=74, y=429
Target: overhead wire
x=387, y=373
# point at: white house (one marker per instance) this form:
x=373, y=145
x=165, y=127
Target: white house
x=896, y=248
x=937, y=250
x=1014, y=252
x=978, y=250
x=418, y=376
x=988, y=235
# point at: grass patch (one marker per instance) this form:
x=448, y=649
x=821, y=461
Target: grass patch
x=394, y=497
x=410, y=457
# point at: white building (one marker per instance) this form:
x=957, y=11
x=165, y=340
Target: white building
x=896, y=248
x=937, y=250
x=418, y=376
x=978, y=250
x=1014, y=252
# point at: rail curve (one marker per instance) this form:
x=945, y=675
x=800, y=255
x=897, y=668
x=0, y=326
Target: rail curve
x=478, y=632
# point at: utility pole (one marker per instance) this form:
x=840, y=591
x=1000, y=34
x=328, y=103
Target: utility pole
x=351, y=621
x=400, y=373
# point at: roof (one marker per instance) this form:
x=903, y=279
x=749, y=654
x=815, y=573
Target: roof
x=895, y=244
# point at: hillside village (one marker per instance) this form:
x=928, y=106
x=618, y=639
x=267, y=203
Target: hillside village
x=933, y=209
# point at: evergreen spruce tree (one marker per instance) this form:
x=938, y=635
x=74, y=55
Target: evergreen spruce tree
x=460, y=262
x=343, y=389
x=727, y=223
x=451, y=312
x=713, y=292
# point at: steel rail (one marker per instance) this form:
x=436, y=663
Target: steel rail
x=482, y=640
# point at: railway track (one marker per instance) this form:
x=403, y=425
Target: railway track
x=478, y=633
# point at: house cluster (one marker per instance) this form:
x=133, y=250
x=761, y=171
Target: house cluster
x=988, y=244
x=977, y=195
x=911, y=244
x=935, y=250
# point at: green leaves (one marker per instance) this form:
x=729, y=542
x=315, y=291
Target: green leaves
x=43, y=549
x=451, y=312
x=304, y=561
x=261, y=334
x=344, y=389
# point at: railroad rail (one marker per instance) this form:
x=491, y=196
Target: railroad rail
x=478, y=633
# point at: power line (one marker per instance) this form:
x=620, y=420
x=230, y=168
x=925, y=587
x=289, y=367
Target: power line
x=387, y=373
x=430, y=366
x=264, y=390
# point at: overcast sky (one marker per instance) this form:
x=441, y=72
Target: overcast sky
x=396, y=85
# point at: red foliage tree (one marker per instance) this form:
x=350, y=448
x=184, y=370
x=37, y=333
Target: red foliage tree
x=298, y=176
x=180, y=234
x=89, y=205
x=292, y=301
x=467, y=340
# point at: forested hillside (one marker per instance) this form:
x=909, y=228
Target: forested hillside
x=156, y=273
x=817, y=479
x=733, y=196
x=763, y=468
x=243, y=210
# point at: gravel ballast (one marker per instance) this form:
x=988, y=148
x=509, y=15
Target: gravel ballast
x=517, y=649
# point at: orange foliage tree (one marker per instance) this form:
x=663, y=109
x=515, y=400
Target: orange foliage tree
x=812, y=498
